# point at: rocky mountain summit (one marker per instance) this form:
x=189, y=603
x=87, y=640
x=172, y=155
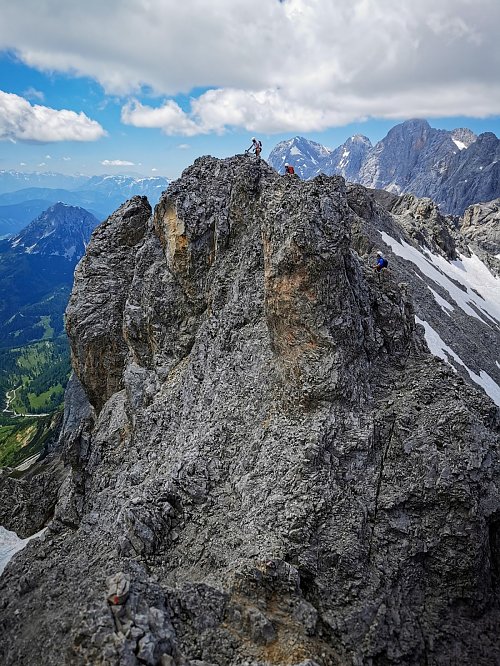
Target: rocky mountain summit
x=60, y=230
x=454, y=168
x=261, y=462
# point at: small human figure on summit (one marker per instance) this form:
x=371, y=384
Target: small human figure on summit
x=381, y=262
x=289, y=169
x=256, y=147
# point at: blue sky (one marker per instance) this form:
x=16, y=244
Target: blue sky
x=146, y=87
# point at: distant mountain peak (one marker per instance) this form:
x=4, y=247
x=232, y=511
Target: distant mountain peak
x=359, y=138
x=463, y=137
x=301, y=153
x=61, y=230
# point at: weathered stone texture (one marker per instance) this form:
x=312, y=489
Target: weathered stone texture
x=274, y=470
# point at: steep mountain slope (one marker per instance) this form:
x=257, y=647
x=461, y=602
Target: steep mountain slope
x=411, y=158
x=481, y=225
x=36, y=273
x=473, y=176
x=14, y=217
x=454, y=168
x=263, y=462
x=348, y=159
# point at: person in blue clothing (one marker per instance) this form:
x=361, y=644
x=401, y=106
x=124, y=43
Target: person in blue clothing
x=381, y=262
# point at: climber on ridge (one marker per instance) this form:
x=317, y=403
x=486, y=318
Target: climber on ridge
x=256, y=147
x=289, y=169
x=381, y=262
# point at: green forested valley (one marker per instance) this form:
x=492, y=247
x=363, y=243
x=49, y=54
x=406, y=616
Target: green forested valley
x=32, y=382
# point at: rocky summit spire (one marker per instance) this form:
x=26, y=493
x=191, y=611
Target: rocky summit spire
x=263, y=462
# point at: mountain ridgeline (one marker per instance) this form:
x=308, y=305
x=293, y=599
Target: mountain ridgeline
x=261, y=461
x=23, y=196
x=454, y=168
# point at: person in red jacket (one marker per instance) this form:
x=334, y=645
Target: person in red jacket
x=289, y=169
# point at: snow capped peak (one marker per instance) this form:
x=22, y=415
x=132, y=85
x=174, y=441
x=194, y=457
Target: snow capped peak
x=302, y=154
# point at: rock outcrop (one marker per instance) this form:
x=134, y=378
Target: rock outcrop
x=265, y=464
x=481, y=226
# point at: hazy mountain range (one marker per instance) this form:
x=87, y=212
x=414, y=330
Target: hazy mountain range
x=23, y=196
x=454, y=168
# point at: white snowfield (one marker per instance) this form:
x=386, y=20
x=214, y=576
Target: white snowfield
x=479, y=298
x=10, y=544
x=459, y=144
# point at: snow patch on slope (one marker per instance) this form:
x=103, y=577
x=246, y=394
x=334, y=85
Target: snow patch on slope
x=459, y=144
x=10, y=544
x=480, y=295
x=445, y=306
x=440, y=349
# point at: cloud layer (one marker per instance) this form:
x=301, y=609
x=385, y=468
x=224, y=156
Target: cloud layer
x=270, y=66
x=117, y=163
x=21, y=121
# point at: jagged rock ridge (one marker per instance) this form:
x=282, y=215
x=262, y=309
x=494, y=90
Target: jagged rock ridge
x=454, y=168
x=264, y=464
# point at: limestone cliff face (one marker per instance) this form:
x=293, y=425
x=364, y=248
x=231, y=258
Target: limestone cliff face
x=481, y=225
x=94, y=314
x=271, y=468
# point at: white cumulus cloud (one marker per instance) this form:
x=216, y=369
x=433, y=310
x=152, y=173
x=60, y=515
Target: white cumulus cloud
x=267, y=65
x=117, y=163
x=22, y=121
x=169, y=117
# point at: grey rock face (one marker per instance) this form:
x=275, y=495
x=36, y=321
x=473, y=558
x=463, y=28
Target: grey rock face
x=481, y=226
x=97, y=343
x=393, y=161
x=274, y=469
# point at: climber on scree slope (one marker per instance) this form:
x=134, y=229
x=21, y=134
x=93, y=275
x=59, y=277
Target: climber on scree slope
x=289, y=169
x=256, y=147
x=381, y=262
